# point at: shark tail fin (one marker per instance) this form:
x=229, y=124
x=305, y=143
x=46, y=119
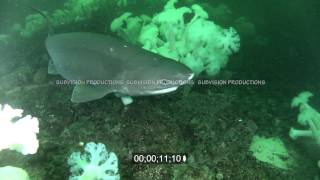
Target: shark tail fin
x=49, y=25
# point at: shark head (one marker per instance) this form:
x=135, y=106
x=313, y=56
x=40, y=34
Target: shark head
x=164, y=76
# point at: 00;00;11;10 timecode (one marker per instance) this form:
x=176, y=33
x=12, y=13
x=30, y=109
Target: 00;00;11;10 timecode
x=159, y=158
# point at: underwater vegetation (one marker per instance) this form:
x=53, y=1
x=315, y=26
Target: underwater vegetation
x=20, y=135
x=308, y=117
x=199, y=43
x=97, y=163
x=245, y=114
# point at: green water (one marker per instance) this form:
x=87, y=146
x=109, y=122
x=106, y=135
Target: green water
x=212, y=124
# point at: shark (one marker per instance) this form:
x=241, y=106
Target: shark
x=102, y=64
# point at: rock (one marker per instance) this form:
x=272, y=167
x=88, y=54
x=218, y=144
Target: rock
x=40, y=76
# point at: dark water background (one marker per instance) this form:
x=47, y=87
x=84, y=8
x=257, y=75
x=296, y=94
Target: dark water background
x=287, y=57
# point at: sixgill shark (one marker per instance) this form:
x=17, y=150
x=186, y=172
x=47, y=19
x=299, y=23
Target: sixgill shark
x=105, y=64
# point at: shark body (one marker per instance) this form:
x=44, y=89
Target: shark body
x=128, y=70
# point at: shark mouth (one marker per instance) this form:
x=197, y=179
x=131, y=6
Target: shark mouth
x=170, y=89
x=191, y=76
x=164, y=91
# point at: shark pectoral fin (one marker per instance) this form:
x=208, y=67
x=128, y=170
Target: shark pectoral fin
x=51, y=68
x=126, y=100
x=84, y=93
